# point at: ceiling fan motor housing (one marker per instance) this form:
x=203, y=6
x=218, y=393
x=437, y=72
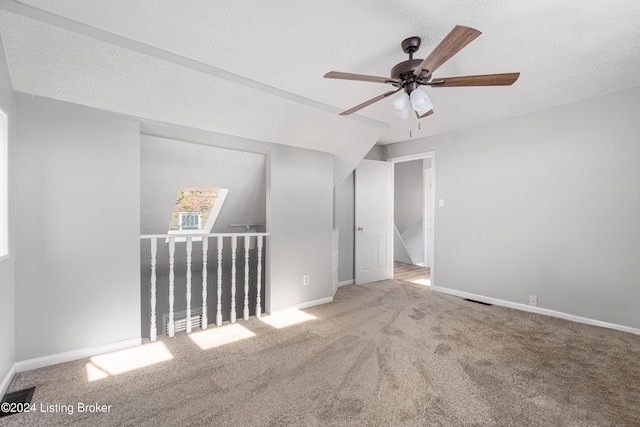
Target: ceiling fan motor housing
x=404, y=72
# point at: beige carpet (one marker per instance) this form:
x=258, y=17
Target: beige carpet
x=383, y=354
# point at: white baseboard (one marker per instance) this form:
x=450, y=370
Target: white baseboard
x=4, y=385
x=538, y=310
x=345, y=283
x=54, y=359
x=303, y=305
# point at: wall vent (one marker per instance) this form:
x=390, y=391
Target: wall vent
x=180, y=320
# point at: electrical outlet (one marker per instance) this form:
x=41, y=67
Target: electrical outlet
x=305, y=280
x=533, y=300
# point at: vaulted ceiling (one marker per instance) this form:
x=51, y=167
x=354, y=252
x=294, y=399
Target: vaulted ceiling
x=254, y=69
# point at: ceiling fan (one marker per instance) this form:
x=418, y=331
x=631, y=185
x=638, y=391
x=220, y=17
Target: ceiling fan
x=411, y=74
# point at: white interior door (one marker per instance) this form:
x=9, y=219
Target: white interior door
x=373, y=221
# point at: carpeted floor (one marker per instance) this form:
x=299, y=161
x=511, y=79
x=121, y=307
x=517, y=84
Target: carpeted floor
x=383, y=354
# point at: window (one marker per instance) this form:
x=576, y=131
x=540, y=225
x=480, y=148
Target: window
x=4, y=184
x=196, y=210
x=190, y=220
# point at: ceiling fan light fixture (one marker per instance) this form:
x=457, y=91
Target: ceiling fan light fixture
x=420, y=101
x=400, y=105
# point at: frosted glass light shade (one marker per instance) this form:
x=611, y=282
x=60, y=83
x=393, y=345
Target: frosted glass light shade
x=400, y=105
x=420, y=101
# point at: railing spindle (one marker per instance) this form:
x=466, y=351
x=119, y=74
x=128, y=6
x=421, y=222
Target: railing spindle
x=170, y=326
x=172, y=250
x=259, y=282
x=245, y=312
x=205, y=248
x=189, y=247
x=234, y=247
x=153, y=332
x=219, y=303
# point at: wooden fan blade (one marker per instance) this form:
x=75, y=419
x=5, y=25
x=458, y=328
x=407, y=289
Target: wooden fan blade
x=505, y=79
x=369, y=102
x=457, y=39
x=359, y=77
x=428, y=113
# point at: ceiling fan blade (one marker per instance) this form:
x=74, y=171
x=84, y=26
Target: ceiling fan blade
x=505, y=79
x=453, y=43
x=428, y=113
x=359, y=77
x=369, y=102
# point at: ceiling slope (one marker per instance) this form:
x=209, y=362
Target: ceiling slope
x=261, y=63
x=54, y=62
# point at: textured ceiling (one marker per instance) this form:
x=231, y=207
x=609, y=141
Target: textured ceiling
x=254, y=69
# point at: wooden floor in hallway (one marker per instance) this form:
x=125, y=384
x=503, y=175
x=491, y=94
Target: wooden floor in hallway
x=411, y=273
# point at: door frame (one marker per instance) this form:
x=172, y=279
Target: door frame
x=418, y=156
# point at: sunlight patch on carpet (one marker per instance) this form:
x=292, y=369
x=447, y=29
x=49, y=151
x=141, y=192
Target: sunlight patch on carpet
x=94, y=373
x=287, y=318
x=423, y=282
x=222, y=335
x=100, y=367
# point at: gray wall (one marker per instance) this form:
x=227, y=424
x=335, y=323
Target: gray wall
x=545, y=204
x=299, y=214
x=78, y=209
x=344, y=221
x=7, y=282
x=408, y=206
x=408, y=194
x=167, y=164
x=377, y=152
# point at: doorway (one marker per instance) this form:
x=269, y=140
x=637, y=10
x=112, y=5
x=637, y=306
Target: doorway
x=414, y=196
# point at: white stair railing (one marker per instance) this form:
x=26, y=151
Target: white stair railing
x=172, y=250
x=205, y=249
x=190, y=240
x=234, y=249
x=219, y=304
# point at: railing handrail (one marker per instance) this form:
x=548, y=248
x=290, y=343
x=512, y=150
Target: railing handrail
x=163, y=236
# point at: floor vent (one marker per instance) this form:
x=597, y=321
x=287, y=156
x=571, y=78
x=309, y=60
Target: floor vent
x=180, y=320
x=477, y=302
x=19, y=401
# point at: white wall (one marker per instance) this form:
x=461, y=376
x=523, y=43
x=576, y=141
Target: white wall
x=77, y=219
x=546, y=204
x=300, y=219
x=7, y=264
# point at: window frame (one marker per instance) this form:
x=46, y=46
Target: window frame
x=197, y=215
x=4, y=183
